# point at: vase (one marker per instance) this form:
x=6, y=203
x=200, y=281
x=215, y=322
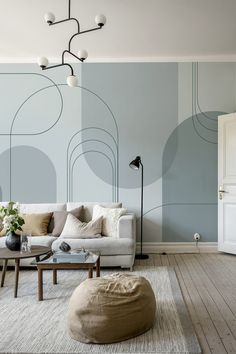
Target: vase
x=13, y=241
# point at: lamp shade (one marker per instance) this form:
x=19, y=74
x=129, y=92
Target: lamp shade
x=49, y=18
x=82, y=54
x=135, y=164
x=100, y=20
x=43, y=62
x=72, y=81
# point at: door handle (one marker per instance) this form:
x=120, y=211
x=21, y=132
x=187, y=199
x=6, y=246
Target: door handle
x=221, y=193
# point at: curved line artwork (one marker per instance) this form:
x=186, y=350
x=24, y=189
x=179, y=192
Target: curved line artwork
x=108, y=158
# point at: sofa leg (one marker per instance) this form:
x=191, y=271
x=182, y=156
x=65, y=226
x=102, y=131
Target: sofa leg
x=131, y=269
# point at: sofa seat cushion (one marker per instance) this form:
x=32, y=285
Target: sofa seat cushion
x=36, y=240
x=104, y=245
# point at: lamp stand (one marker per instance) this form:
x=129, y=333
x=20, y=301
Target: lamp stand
x=141, y=255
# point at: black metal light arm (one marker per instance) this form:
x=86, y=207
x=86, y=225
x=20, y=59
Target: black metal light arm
x=81, y=32
x=66, y=20
x=56, y=66
x=50, y=19
x=90, y=30
x=69, y=6
x=67, y=51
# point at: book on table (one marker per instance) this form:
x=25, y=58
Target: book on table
x=70, y=257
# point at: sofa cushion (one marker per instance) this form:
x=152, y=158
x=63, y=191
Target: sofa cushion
x=36, y=224
x=110, y=218
x=88, y=208
x=106, y=246
x=42, y=208
x=74, y=228
x=59, y=219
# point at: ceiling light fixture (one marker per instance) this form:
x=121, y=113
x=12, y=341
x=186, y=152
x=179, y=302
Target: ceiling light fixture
x=72, y=81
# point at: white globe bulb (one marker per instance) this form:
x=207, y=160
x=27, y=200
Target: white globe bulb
x=82, y=54
x=43, y=62
x=49, y=17
x=100, y=20
x=72, y=81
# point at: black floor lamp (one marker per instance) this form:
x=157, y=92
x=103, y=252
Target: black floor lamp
x=135, y=164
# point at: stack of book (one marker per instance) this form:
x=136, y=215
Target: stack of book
x=70, y=257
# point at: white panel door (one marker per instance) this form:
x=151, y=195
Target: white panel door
x=227, y=183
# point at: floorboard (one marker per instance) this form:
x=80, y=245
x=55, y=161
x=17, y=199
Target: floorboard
x=208, y=285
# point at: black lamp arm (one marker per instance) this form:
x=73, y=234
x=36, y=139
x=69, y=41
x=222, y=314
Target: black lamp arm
x=58, y=65
x=69, y=7
x=66, y=20
x=67, y=51
x=82, y=32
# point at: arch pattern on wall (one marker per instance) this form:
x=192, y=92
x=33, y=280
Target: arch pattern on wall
x=71, y=153
x=111, y=165
x=11, y=133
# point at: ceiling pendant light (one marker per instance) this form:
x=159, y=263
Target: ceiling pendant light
x=43, y=62
x=100, y=20
x=49, y=17
x=82, y=54
x=72, y=81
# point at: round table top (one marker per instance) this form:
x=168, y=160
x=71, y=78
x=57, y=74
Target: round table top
x=5, y=253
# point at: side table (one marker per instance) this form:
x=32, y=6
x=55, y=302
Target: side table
x=6, y=254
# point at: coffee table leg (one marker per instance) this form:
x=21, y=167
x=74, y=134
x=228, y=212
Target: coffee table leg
x=98, y=268
x=54, y=276
x=4, y=269
x=40, y=284
x=17, y=267
x=90, y=274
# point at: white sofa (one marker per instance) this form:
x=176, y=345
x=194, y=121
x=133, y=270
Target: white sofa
x=118, y=251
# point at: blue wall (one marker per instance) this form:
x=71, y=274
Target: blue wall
x=59, y=143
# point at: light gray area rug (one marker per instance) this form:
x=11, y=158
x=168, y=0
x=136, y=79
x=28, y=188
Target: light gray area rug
x=29, y=326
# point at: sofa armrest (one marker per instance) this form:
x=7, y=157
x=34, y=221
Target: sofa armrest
x=127, y=226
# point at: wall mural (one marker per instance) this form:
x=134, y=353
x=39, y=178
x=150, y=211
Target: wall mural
x=58, y=143
x=86, y=141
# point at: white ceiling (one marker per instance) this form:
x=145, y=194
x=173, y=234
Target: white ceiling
x=135, y=30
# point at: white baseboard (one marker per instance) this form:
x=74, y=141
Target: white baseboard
x=178, y=247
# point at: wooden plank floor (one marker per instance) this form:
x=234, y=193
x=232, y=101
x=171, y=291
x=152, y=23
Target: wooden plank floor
x=208, y=284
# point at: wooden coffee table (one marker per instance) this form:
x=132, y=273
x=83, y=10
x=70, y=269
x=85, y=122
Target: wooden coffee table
x=6, y=254
x=91, y=263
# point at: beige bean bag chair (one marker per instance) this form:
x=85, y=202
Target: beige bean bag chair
x=111, y=309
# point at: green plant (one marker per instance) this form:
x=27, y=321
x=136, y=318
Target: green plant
x=10, y=217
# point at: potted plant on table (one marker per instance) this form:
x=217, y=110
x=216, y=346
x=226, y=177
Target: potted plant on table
x=12, y=222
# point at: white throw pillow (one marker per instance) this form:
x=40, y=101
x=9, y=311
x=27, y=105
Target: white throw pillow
x=74, y=228
x=110, y=219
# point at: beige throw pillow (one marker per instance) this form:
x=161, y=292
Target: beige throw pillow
x=110, y=218
x=74, y=228
x=36, y=224
x=59, y=219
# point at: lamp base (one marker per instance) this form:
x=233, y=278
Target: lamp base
x=141, y=256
